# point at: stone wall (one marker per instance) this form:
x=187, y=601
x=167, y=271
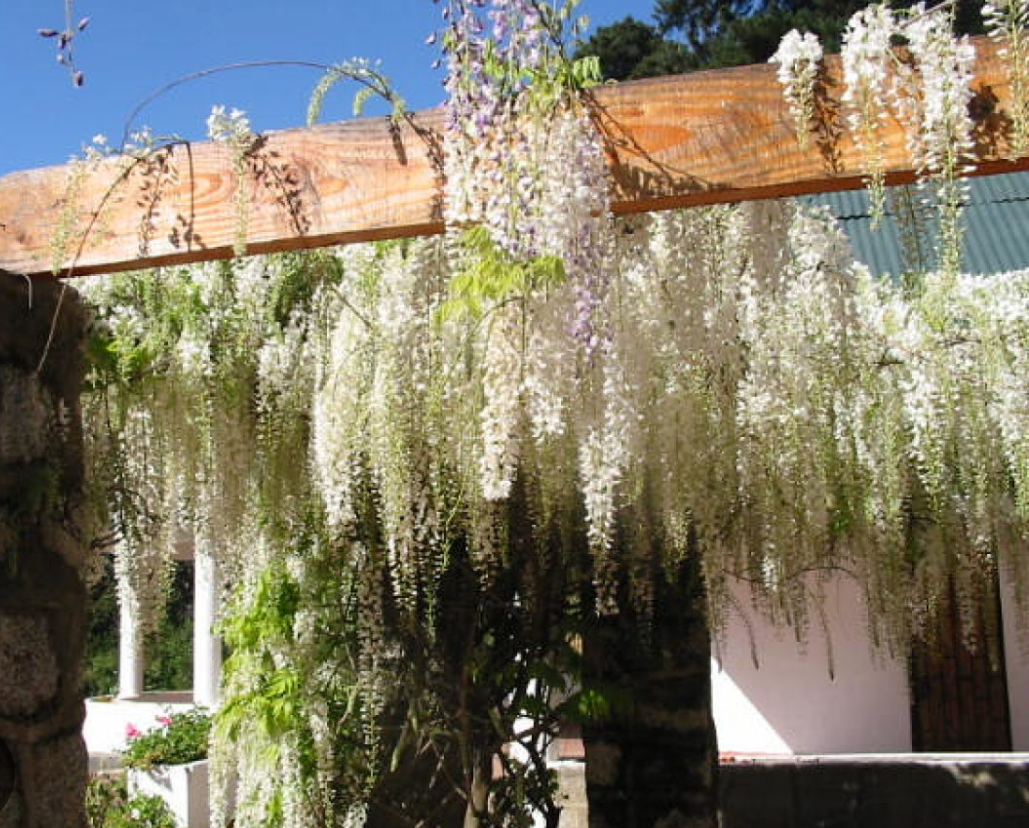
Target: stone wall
x=887, y=791
x=42, y=554
x=873, y=791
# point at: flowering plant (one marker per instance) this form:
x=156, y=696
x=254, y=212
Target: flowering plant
x=180, y=738
x=758, y=401
x=427, y=465
x=798, y=57
x=1006, y=22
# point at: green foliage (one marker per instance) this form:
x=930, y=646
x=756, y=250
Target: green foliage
x=596, y=703
x=279, y=682
x=494, y=277
x=372, y=84
x=130, y=355
x=183, y=739
x=142, y=811
x=104, y=795
x=108, y=805
x=267, y=619
x=573, y=75
x=254, y=631
x=169, y=661
x=169, y=649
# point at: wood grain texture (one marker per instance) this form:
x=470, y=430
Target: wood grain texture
x=679, y=141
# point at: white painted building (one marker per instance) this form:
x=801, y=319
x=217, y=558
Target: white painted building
x=790, y=704
x=787, y=704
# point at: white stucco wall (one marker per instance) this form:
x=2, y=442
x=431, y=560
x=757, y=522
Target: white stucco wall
x=789, y=703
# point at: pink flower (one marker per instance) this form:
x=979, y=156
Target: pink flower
x=131, y=731
x=164, y=720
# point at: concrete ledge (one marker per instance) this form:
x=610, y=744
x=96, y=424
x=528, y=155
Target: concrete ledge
x=107, y=718
x=877, y=791
x=902, y=790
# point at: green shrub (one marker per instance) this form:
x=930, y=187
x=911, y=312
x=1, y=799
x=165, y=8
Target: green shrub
x=180, y=738
x=108, y=805
x=104, y=796
x=143, y=812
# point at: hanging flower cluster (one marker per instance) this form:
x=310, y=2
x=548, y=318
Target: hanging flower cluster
x=867, y=59
x=929, y=90
x=935, y=110
x=1006, y=22
x=190, y=368
x=798, y=57
x=233, y=130
x=761, y=401
x=523, y=160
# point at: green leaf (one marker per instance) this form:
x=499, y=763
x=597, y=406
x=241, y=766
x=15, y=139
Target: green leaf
x=361, y=98
x=597, y=703
x=548, y=675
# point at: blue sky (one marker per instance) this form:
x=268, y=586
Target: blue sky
x=133, y=47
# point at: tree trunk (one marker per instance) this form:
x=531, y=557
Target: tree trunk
x=652, y=762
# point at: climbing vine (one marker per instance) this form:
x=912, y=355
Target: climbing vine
x=425, y=466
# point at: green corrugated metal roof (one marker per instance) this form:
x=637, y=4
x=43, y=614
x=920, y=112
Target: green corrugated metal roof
x=996, y=221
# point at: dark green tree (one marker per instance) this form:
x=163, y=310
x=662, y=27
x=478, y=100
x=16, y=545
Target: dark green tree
x=689, y=35
x=632, y=49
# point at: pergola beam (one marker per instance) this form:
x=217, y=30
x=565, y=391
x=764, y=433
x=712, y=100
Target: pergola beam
x=703, y=138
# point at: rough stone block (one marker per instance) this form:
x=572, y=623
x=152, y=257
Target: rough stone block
x=10, y=814
x=28, y=665
x=58, y=780
x=25, y=415
x=43, y=596
x=68, y=544
x=571, y=781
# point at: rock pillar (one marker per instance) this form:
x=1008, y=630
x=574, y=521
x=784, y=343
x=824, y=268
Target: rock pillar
x=42, y=555
x=652, y=761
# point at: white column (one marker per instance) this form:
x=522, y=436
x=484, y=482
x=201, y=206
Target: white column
x=207, y=647
x=130, y=654
x=1016, y=658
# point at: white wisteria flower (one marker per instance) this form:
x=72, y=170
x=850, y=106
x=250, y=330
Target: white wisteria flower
x=798, y=58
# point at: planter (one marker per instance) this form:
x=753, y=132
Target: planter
x=185, y=788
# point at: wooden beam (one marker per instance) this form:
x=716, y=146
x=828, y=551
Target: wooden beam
x=679, y=141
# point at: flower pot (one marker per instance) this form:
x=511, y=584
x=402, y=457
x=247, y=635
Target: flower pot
x=185, y=789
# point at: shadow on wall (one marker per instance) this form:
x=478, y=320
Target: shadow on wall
x=790, y=703
x=877, y=794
